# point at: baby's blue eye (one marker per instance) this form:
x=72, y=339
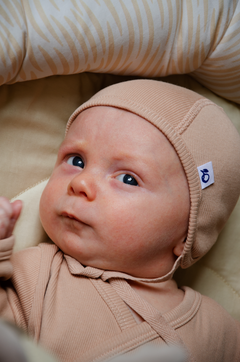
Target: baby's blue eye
x=76, y=161
x=127, y=179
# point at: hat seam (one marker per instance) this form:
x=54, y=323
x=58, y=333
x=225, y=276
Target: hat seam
x=94, y=103
x=192, y=113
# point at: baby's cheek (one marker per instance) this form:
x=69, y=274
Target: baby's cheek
x=45, y=205
x=124, y=226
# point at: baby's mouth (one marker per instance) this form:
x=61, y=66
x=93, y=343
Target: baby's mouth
x=72, y=217
x=69, y=216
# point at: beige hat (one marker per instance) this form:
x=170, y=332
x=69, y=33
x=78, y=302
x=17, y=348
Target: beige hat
x=207, y=143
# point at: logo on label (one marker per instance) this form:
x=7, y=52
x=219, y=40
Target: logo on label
x=206, y=174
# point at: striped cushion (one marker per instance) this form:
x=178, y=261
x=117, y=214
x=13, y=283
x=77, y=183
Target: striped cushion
x=146, y=38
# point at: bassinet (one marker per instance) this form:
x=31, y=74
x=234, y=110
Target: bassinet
x=55, y=54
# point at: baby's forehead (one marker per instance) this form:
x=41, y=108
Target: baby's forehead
x=113, y=117
x=124, y=134
x=107, y=122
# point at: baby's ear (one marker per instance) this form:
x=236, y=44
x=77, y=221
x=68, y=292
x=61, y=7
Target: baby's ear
x=178, y=249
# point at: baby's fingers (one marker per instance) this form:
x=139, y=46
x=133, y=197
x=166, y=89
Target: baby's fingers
x=9, y=213
x=6, y=247
x=5, y=206
x=6, y=270
x=5, y=216
x=16, y=211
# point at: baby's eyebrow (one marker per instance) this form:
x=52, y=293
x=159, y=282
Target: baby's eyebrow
x=68, y=146
x=131, y=157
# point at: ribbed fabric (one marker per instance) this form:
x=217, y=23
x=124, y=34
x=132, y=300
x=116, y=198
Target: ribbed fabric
x=178, y=316
x=42, y=281
x=80, y=318
x=124, y=318
x=146, y=311
x=200, y=132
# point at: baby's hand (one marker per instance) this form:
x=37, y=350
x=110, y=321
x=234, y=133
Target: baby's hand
x=9, y=213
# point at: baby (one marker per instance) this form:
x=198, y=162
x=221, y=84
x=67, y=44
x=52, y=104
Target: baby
x=146, y=177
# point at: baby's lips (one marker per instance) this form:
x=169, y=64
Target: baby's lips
x=72, y=217
x=69, y=216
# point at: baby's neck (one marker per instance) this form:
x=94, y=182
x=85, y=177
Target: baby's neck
x=163, y=296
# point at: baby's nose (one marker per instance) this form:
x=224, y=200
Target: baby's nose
x=84, y=185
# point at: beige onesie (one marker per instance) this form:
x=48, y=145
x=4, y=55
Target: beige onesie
x=77, y=312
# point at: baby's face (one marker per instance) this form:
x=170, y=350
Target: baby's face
x=118, y=197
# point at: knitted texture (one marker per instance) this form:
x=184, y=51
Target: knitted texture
x=200, y=132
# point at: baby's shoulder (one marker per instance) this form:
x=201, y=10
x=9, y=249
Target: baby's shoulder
x=215, y=315
x=34, y=253
x=209, y=332
x=208, y=312
x=210, y=308
x=28, y=262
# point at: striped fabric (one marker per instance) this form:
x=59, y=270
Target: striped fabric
x=149, y=38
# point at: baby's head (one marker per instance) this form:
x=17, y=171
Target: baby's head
x=132, y=190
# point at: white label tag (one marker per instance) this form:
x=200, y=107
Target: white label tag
x=206, y=174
